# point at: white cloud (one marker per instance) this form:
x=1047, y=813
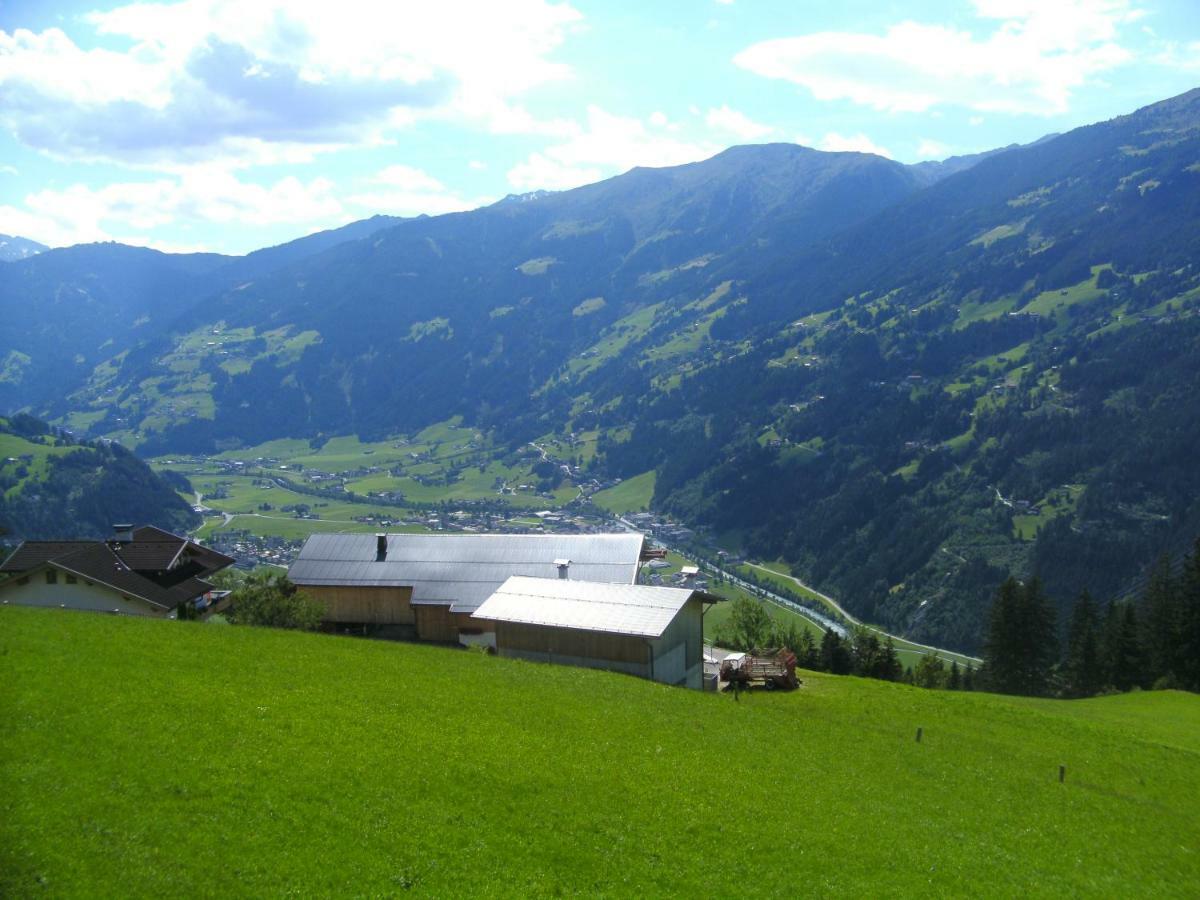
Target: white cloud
x=975, y=121
x=79, y=214
x=409, y=179
x=1174, y=55
x=406, y=191
x=477, y=165
x=855, y=143
x=212, y=73
x=736, y=123
x=1033, y=56
x=9, y=170
x=931, y=149
x=539, y=172
x=609, y=144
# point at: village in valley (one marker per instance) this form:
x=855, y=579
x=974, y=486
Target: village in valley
x=261, y=502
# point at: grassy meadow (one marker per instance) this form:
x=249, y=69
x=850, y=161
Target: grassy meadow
x=163, y=758
x=630, y=495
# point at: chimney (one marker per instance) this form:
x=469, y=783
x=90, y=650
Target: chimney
x=563, y=566
x=122, y=534
x=380, y=547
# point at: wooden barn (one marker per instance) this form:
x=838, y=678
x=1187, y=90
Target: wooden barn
x=429, y=585
x=652, y=632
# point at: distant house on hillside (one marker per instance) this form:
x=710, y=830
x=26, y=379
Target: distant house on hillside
x=144, y=571
x=652, y=632
x=429, y=585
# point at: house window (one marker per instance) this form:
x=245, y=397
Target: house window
x=23, y=580
x=51, y=577
x=71, y=579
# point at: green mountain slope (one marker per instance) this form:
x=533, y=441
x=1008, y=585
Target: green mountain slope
x=53, y=486
x=67, y=311
x=975, y=397
x=478, y=309
x=346, y=766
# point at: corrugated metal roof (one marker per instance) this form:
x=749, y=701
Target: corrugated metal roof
x=463, y=569
x=635, y=609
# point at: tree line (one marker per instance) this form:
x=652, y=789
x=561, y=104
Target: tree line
x=1149, y=641
x=861, y=652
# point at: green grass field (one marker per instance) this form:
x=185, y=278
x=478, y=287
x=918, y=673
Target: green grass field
x=13, y=446
x=162, y=758
x=630, y=495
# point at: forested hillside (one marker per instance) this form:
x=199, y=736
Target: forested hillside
x=52, y=486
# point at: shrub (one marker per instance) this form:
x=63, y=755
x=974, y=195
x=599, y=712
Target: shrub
x=269, y=599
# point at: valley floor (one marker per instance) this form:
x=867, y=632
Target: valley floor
x=148, y=758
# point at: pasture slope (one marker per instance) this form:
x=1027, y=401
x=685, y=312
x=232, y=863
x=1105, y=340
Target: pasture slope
x=161, y=758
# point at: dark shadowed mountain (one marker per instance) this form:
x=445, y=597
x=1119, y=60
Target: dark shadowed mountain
x=66, y=311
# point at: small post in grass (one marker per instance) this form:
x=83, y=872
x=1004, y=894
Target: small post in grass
x=919, y=735
x=1062, y=774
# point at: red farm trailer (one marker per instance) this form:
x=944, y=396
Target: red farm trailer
x=770, y=668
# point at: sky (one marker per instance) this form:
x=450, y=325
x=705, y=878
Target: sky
x=229, y=125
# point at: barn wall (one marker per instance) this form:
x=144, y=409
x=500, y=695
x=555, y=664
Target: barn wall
x=372, y=605
x=679, y=653
x=568, y=646
x=82, y=595
x=468, y=624
x=436, y=623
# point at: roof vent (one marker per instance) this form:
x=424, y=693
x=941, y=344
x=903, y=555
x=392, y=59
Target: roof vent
x=123, y=533
x=380, y=547
x=563, y=566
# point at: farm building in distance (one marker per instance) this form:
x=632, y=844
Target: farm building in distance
x=144, y=571
x=653, y=632
x=428, y=585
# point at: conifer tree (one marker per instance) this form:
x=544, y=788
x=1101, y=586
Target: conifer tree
x=1001, y=648
x=1082, y=668
x=954, y=679
x=1189, y=632
x=1021, y=645
x=1121, y=648
x=1163, y=622
x=807, y=653
x=835, y=657
x=892, y=670
x=930, y=672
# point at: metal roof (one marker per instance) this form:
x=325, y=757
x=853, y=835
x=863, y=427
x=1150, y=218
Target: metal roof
x=635, y=609
x=150, y=550
x=463, y=569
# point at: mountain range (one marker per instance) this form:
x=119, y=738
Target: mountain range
x=18, y=248
x=907, y=381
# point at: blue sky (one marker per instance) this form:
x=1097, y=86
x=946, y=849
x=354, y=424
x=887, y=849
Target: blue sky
x=228, y=126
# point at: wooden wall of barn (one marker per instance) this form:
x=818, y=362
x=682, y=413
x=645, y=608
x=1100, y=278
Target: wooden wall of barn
x=365, y=605
x=436, y=623
x=569, y=646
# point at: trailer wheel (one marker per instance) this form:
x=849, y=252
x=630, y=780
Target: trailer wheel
x=770, y=684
